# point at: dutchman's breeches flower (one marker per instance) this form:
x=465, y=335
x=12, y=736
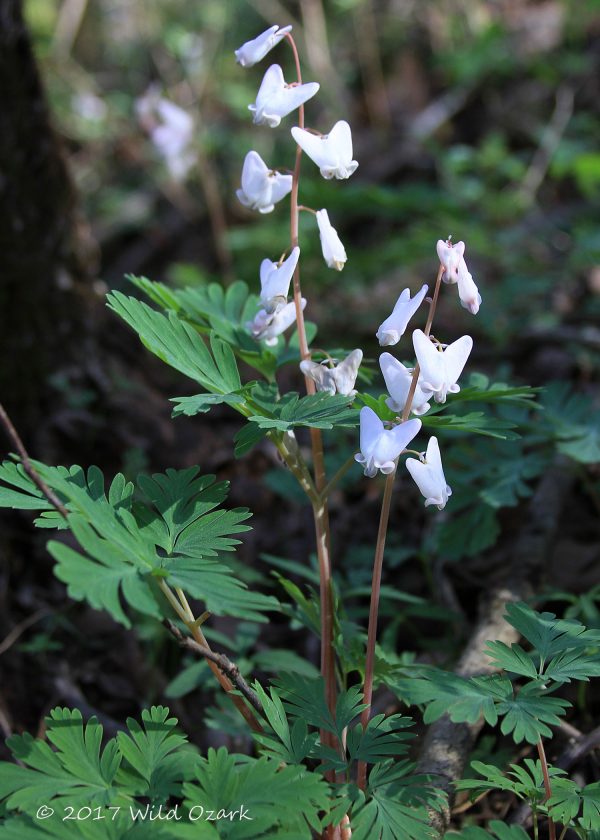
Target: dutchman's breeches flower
x=261, y=187
x=450, y=256
x=429, y=476
x=275, y=281
x=268, y=326
x=276, y=100
x=334, y=252
x=467, y=290
x=398, y=380
x=440, y=369
x=337, y=380
x=393, y=328
x=254, y=51
x=331, y=152
x=379, y=447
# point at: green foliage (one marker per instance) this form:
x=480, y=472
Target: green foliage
x=280, y=801
x=574, y=420
x=174, y=530
x=561, y=653
x=179, y=345
x=148, y=767
x=318, y=411
x=499, y=831
x=396, y=805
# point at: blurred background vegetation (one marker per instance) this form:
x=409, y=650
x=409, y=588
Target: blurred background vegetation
x=470, y=118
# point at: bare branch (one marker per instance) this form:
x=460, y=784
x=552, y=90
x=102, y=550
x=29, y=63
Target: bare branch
x=229, y=668
x=28, y=466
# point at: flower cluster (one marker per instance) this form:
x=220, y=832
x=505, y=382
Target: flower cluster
x=262, y=187
x=439, y=367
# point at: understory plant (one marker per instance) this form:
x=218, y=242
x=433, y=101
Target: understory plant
x=324, y=762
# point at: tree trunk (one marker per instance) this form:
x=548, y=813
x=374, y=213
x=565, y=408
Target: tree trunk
x=44, y=288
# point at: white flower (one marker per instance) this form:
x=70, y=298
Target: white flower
x=429, y=476
x=379, y=448
x=467, y=290
x=441, y=368
x=334, y=252
x=450, y=255
x=275, y=281
x=393, y=328
x=332, y=152
x=262, y=188
x=254, y=51
x=276, y=100
x=337, y=380
x=398, y=380
x=267, y=326
x=171, y=131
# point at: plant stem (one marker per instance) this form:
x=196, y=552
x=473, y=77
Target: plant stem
x=326, y=491
x=184, y=611
x=379, y=552
x=547, y=785
x=320, y=510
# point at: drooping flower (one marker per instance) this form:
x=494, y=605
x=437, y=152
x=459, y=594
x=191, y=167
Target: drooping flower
x=450, y=255
x=171, y=131
x=275, y=281
x=267, y=326
x=393, y=328
x=339, y=379
x=379, y=447
x=331, y=152
x=334, y=252
x=262, y=187
x=429, y=476
x=452, y=258
x=398, y=380
x=276, y=100
x=254, y=51
x=467, y=290
x=440, y=369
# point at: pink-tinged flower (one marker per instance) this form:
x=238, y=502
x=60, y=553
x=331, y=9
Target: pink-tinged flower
x=331, y=152
x=398, y=380
x=394, y=327
x=339, y=379
x=379, y=447
x=267, y=326
x=450, y=255
x=254, y=51
x=276, y=100
x=440, y=369
x=334, y=252
x=429, y=476
x=275, y=281
x=262, y=187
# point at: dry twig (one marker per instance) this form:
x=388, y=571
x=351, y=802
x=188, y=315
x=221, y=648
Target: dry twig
x=229, y=668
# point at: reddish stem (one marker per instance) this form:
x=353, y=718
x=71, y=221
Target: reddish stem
x=379, y=552
x=320, y=510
